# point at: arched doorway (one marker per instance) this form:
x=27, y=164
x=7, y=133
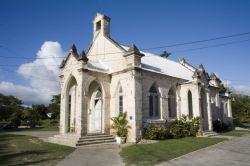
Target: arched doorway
x=95, y=113
x=203, y=108
x=71, y=100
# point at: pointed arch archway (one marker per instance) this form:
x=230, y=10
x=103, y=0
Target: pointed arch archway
x=95, y=108
x=190, y=104
x=154, y=111
x=70, y=104
x=203, y=109
x=172, y=111
x=119, y=99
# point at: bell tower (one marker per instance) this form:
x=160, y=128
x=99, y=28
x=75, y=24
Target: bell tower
x=101, y=25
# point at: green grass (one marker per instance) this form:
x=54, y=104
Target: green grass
x=27, y=150
x=151, y=154
x=235, y=133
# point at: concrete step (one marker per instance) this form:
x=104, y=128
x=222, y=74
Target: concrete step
x=95, y=142
x=96, y=136
x=209, y=133
x=95, y=139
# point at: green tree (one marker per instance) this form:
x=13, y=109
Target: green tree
x=54, y=106
x=31, y=116
x=165, y=54
x=41, y=109
x=241, y=108
x=10, y=110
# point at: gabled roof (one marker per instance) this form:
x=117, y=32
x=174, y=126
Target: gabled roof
x=73, y=51
x=155, y=63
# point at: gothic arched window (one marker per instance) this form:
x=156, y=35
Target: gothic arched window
x=190, y=104
x=153, y=102
x=172, y=104
x=120, y=100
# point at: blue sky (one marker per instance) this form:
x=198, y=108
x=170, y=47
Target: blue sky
x=27, y=24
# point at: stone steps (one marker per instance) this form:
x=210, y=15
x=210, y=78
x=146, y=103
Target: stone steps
x=64, y=140
x=209, y=134
x=95, y=139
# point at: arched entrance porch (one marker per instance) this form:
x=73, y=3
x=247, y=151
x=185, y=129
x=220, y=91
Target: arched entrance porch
x=95, y=110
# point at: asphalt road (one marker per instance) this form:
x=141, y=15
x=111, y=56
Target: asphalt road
x=235, y=152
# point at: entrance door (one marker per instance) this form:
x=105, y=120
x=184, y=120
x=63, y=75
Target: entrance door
x=95, y=114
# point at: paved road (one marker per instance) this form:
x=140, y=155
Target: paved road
x=235, y=152
x=94, y=155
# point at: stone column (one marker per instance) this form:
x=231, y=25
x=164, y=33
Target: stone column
x=229, y=108
x=209, y=114
x=178, y=102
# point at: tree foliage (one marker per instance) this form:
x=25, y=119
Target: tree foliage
x=165, y=54
x=241, y=108
x=54, y=106
x=10, y=110
x=12, y=113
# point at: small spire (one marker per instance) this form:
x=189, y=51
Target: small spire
x=62, y=64
x=133, y=48
x=201, y=67
x=196, y=74
x=73, y=49
x=182, y=60
x=213, y=76
x=83, y=56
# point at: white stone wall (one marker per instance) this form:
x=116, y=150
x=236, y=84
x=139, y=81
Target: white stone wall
x=135, y=82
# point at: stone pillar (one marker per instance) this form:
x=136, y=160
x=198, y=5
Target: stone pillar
x=209, y=113
x=229, y=108
x=63, y=126
x=178, y=102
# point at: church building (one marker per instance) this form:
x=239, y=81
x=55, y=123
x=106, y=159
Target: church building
x=109, y=78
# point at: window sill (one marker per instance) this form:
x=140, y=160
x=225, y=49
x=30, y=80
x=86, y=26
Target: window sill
x=155, y=121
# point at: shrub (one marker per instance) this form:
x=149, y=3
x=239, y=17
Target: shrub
x=185, y=126
x=156, y=133
x=220, y=126
x=120, y=124
x=177, y=129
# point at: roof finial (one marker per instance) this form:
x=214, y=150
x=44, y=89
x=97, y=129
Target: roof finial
x=73, y=49
x=201, y=67
x=133, y=50
x=83, y=56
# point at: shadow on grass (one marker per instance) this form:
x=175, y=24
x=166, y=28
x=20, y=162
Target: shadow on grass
x=38, y=162
x=7, y=158
x=31, y=129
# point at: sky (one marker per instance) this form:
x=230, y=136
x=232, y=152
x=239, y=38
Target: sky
x=34, y=34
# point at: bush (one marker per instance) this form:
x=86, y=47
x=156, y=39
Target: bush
x=185, y=126
x=220, y=126
x=120, y=124
x=156, y=133
x=179, y=128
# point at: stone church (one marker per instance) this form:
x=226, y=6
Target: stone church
x=110, y=78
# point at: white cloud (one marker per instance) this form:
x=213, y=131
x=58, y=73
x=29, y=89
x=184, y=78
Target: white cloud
x=26, y=94
x=242, y=89
x=42, y=74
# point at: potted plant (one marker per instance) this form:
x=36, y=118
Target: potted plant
x=120, y=125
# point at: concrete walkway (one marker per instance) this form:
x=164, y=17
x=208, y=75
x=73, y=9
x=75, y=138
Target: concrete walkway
x=94, y=155
x=235, y=152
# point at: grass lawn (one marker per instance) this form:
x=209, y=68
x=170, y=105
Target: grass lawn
x=236, y=133
x=27, y=150
x=150, y=154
